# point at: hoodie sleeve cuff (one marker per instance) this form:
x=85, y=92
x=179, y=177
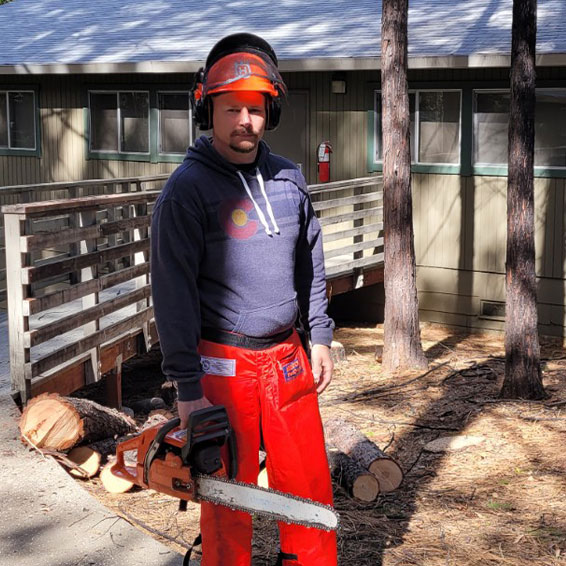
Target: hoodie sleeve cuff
x=189, y=390
x=321, y=336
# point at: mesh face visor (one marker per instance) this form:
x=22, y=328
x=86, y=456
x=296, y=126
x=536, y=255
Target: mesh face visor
x=243, y=72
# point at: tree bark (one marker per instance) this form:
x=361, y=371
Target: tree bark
x=348, y=439
x=523, y=378
x=357, y=481
x=402, y=344
x=59, y=423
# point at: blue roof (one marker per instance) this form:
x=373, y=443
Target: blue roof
x=47, y=32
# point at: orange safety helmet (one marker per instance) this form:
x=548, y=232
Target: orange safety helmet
x=238, y=62
x=242, y=71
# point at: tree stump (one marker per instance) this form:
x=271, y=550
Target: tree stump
x=348, y=439
x=59, y=423
x=357, y=481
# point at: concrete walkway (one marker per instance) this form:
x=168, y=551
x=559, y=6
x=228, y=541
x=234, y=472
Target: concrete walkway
x=46, y=518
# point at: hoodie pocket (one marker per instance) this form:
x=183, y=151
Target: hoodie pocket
x=267, y=320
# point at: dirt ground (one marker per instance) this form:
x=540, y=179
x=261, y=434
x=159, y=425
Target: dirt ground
x=500, y=502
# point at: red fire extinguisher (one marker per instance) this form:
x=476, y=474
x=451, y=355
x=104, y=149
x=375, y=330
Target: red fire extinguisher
x=323, y=159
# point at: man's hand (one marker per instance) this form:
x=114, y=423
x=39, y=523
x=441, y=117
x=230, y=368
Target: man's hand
x=185, y=408
x=322, y=366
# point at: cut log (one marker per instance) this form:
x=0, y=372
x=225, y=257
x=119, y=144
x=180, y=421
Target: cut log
x=156, y=418
x=348, y=439
x=338, y=352
x=388, y=474
x=106, y=447
x=357, y=481
x=87, y=460
x=147, y=405
x=112, y=483
x=59, y=423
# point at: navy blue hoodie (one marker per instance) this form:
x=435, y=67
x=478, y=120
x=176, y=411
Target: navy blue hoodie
x=233, y=250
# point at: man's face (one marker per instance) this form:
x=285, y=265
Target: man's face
x=238, y=120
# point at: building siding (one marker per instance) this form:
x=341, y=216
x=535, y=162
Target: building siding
x=460, y=221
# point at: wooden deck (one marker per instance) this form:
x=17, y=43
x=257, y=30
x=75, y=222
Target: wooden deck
x=78, y=288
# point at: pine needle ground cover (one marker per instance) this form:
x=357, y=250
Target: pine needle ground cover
x=485, y=478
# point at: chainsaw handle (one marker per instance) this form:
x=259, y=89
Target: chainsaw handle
x=219, y=430
x=119, y=464
x=156, y=444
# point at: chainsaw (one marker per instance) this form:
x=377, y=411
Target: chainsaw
x=187, y=464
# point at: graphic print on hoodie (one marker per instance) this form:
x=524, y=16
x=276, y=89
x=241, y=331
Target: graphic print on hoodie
x=233, y=250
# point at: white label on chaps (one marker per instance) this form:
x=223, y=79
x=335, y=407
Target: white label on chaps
x=218, y=366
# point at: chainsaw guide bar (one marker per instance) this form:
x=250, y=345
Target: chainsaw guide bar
x=270, y=503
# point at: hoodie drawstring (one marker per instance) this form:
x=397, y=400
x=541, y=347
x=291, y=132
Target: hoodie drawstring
x=260, y=213
x=267, y=203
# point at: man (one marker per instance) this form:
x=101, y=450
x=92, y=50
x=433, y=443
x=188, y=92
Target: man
x=236, y=256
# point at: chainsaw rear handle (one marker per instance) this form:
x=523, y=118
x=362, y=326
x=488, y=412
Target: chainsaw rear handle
x=210, y=426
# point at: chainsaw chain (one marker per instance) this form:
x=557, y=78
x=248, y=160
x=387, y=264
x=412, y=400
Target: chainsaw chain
x=274, y=516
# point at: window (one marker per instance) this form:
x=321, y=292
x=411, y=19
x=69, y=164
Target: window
x=491, y=123
x=439, y=127
x=17, y=120
x=550, y=128
x=434, y=127
x=138, y=125
x=175, y=122
x=119, y=122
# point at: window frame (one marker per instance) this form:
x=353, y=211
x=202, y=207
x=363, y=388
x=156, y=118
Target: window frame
x=482, y=165
x=497, y=169
x=22, y=151
x=118, y=154
x=417, y=166
x=153, y=155
x=165, y=156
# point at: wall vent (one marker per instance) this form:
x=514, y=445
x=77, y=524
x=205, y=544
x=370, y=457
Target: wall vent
x=492, y=309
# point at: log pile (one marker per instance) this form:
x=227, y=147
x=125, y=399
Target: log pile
x=57, y=425
x=357, y=481
x=360, y=456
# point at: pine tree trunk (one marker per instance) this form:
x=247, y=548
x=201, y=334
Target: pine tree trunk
x=522, y=351
x=402, y=345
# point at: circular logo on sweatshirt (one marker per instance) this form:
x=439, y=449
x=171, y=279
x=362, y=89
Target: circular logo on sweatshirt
x=234, y=217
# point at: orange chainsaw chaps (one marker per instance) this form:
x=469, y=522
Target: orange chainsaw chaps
x=271, y=396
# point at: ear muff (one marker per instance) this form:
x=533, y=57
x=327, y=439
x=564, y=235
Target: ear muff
x=202, y=111
x=273, y=112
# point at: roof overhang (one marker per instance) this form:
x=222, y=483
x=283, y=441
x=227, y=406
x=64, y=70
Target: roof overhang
x=474, y=61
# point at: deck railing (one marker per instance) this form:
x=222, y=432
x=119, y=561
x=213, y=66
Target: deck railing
x=17, y=194
x=351, y=215
x=79, y=294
